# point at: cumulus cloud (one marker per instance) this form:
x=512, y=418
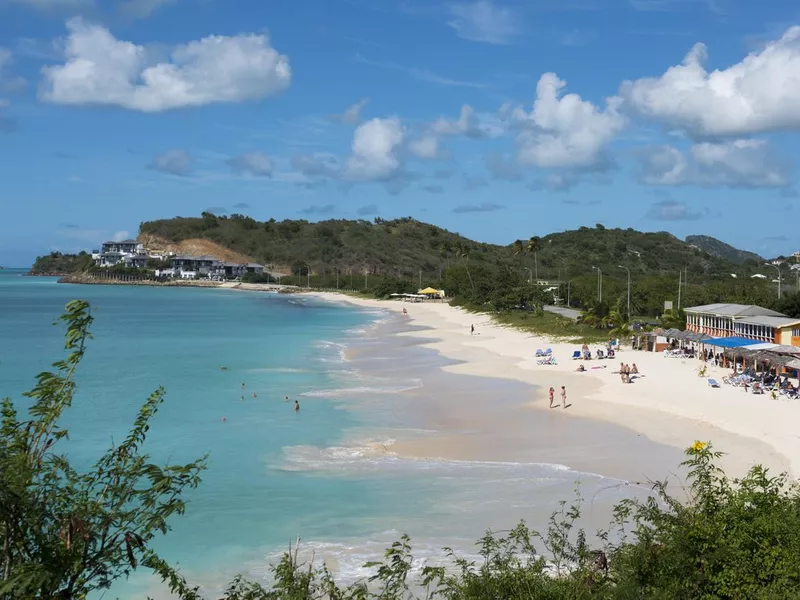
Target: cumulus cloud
x=565, y=131
x=427, y=147
x=482, y=21
x=374, y=151
x=739, y=163
x=173, y=162
x=761, y=93
x=483, y=207
x=672, y=210
x=102, y=70
x=352, y=115
x=253, y=163
x=468, y=124
x=8, y=81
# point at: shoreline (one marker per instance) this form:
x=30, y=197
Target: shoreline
x=669, y=404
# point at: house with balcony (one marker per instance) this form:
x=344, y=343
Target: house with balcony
x=117, y=253
x=198, y=266
x=741, y=320
x=231, y=270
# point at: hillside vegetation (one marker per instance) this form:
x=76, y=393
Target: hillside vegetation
x=405, y=246
x=720, y=249
x=57, y=263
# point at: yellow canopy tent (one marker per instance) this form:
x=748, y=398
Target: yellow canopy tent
x=428, y=291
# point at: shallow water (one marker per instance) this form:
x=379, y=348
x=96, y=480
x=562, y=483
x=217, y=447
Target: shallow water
x=326, y=473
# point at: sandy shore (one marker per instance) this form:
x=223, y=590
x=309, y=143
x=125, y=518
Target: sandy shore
x=670, y=404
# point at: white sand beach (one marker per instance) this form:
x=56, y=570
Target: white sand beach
x=668, y=404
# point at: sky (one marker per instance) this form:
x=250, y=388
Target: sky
x=498, y=120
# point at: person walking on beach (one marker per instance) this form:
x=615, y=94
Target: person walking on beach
x=472, y=329
x=563, y=397
x=552, y=393
x=296, y=406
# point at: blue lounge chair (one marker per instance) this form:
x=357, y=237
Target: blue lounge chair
x=548, y=352
x=713, y=382
x=576, y=355
x=540, y=352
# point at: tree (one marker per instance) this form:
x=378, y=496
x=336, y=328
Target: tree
x=462, y=251
x=533, y=247
x=67, y=533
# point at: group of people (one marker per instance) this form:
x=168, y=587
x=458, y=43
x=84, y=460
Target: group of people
x=285, y=399
x=625, y=372
x=563, y=397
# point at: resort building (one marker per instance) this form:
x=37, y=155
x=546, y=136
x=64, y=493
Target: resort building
x=115, y=253
x=745, y=321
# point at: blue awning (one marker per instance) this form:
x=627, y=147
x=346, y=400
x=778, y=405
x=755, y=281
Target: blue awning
x=730, y=342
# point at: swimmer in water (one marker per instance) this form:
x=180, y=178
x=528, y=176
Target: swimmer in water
x=296, y=406
x=241, y=397
x=223, y=368
x=242, y=385
x=224, y=420
x=286, y=398
x=255, y=395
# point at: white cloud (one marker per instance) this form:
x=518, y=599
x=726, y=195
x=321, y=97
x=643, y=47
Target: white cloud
x=740, y=163
x=374, y=150
x=482, y=21
x=468, y=124
x=174, y=162
x=103, y=70
x=760, y=93
x=352, y=115
x=254, y=163
x=139, y=9
x=566, y=131
x=8, y=82
x=426, y=147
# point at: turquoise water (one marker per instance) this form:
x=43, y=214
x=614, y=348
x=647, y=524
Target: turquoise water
x=274, y=474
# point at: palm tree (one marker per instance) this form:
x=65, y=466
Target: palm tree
x=533, y=247
x=518, y=247
x=462, y=251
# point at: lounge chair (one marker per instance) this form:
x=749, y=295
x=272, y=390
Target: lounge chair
x=548, y=352
x=539, y=352
x=576, y=355
x=713, y=382
x=550, y=360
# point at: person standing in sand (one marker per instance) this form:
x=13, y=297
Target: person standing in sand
x=563, y=397
x=472, y=329
x=552, y=394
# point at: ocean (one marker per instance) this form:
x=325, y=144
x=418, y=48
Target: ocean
x=326, y=473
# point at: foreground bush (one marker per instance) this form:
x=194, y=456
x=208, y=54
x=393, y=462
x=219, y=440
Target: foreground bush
x=64, y=534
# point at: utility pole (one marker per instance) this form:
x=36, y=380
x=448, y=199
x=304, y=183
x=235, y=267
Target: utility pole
x=778, y=269
x=366, y=280
x=420, y=279
x=568, y=290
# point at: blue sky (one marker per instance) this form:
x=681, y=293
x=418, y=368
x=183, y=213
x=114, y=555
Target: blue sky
x=498, y=120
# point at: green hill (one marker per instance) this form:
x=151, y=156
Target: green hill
x=57, y=263
x=405, y=246
x=720, y=249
